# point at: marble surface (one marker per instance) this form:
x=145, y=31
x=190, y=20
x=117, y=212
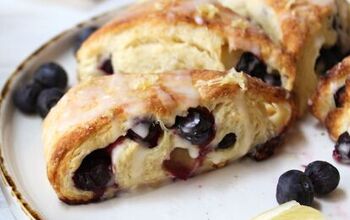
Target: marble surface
x=26, y=24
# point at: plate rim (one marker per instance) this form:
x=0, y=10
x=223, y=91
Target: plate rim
x=6, y=179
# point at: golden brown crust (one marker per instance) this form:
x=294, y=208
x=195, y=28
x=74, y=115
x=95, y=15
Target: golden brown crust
x=302, y=28
x=300, y=20
x=237, y=32
x=290, y=22
x=255, y=86
x=66, y=146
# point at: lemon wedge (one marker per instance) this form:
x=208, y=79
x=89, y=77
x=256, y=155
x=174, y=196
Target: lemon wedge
x=291, y=211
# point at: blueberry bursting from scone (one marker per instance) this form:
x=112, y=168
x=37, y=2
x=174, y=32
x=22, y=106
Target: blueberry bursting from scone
x=127, y=131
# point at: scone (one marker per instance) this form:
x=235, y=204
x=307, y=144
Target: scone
x=165, y=35
x=316, y=33
x=126, y=131
x=331, y=102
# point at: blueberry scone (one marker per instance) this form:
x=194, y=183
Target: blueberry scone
x=331, y=104
x=315, y=33
x=126, y=131
x=332, y=98
x=165, y=35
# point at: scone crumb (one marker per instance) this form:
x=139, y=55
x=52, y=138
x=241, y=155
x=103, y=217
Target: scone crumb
x=207, y=11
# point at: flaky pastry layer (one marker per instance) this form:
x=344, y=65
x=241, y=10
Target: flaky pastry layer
x=100, y=111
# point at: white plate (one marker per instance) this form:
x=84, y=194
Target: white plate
x=238, y=192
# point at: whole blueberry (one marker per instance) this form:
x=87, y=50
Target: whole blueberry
x=95, y=171
x=198, y=127
x=295, y=185
x=84, y=35
x=228, y=141
x=47, y=99
x=324, y=176
x=51, y=75
x=341, y=152
x=25, y=97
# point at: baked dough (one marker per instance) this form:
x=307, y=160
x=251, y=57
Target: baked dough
x=302, y=27
x=331, y=102
x=164, y=35
x=98, y=115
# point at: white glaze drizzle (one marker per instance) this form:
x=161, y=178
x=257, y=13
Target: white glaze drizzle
x=131, y=93
x=180, y=83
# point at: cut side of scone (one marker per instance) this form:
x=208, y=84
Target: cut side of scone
x=315, y=33
x=331, y=102
x=123, y=132
x=163, y=35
